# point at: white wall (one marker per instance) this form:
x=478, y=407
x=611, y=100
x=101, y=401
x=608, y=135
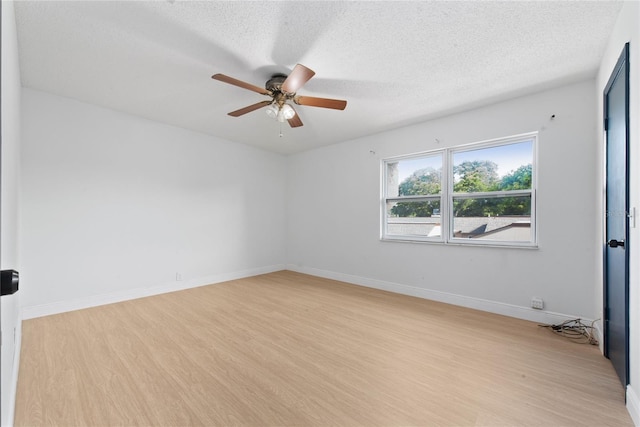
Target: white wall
x=113, y=204
x=334, y=213
x=10, y=201
x=627, y=29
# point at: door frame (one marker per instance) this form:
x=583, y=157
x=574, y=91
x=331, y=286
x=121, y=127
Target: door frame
x=623, y=61
x=1, y=77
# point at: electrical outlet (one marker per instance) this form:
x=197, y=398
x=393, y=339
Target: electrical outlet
x=537, y=303
x=178, y=277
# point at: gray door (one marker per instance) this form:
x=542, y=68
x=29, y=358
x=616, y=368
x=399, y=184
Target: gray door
x=616, y=252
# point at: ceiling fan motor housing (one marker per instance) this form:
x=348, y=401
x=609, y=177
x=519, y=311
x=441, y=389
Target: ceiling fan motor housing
x=275, y=82
x=274, y=85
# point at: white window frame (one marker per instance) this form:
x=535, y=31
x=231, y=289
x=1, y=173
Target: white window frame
x=440, y=197
x=447, y=196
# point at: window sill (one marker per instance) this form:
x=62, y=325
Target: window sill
x=503, y=245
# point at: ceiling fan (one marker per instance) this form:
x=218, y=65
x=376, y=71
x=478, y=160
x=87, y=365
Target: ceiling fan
x=281, y=89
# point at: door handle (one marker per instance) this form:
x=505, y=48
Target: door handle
x=613, y=243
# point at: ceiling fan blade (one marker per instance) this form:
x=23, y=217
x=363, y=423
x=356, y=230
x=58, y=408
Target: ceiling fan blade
x=240, y=83
x=249, y=109
x=295, y=121
x=312, y=101
x=298, y=77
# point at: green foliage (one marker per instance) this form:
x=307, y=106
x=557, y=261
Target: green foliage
x=475, y=176
x=421, y=183
x=520, y=179
x=506, y=206
x=415, y=209
x=470, y=177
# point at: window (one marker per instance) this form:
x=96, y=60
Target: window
x=414, y=196
x=481, y=194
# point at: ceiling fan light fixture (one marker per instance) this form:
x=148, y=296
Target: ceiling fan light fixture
x=273, y=111
x=280, y=113
x=287, y=111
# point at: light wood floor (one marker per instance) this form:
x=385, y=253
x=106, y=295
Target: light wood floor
x=288, y=349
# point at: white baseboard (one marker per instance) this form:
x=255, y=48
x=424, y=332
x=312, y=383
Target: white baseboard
x=16, y=371
x=633, y=405
x=113, y=297
x=599, y=334
x=526, y=313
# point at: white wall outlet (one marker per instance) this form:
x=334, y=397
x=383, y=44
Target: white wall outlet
x=537, y=303
x=178, y=277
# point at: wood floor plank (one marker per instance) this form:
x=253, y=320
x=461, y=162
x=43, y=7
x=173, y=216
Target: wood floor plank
x=289, y=349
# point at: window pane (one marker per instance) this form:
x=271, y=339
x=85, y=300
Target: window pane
x=497, y=218
x=500, y=168
x=414, y=218
x=418, y=176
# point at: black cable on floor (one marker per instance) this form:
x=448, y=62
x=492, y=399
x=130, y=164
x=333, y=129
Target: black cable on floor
x=574, y=330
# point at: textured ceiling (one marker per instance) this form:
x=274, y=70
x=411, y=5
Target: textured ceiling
x=396, y=63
